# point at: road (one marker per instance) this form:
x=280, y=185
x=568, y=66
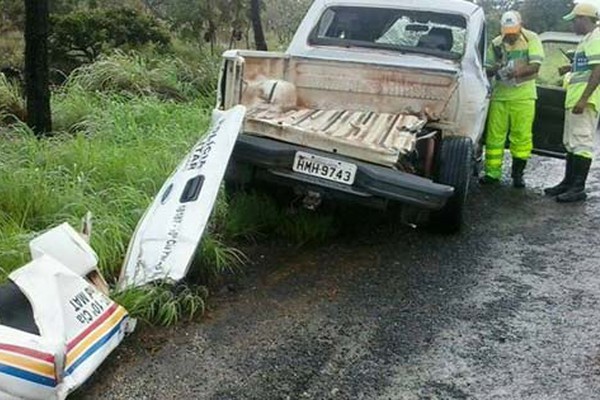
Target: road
x=508, y=309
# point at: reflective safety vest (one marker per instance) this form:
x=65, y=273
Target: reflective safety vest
x=587, y=56
x=526, y=50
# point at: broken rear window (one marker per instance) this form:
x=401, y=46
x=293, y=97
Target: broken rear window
x=405, y=31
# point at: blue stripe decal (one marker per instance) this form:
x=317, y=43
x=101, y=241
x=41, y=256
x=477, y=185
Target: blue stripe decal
x=95, y=347
x=27, y=376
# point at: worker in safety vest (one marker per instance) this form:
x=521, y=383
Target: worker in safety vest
x=513, y=62
x=582, y=105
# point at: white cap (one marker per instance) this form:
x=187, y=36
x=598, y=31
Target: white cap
x=511, y=23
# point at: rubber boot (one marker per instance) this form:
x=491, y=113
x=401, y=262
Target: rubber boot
x=518, y=168
x=581, y=169
x=565, y=184
x=488, y=180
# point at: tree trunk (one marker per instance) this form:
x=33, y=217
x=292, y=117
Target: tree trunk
x=37, y=73
x=259, y=35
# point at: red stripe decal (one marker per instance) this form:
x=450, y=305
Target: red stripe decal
x=28, y=352
x=93, y=326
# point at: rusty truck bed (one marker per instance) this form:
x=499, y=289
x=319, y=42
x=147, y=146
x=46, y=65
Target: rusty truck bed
x=369, y=136
x=367, y=112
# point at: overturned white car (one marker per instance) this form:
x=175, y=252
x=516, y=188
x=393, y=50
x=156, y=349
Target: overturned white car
x=56, y=327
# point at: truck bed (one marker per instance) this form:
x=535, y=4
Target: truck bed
x=380, y=138
x=364, y=111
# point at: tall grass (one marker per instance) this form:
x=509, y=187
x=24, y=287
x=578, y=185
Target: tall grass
x=119, y=135
x=138, y=74
x=256, y=214
x=112, y=170
x=12, y=102
x=163, y=304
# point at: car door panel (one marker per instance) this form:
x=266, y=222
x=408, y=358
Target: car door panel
x=549, y=122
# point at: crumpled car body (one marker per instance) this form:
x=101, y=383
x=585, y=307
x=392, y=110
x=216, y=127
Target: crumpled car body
x=56, y=327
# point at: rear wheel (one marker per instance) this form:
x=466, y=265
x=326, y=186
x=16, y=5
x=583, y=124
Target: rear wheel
x=454, y=168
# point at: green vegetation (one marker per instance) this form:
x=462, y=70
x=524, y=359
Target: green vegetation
x=114, y=147
x=164, y=304
x=113, y=164
x=82, y=36
x=12, y=104
x=122, y=126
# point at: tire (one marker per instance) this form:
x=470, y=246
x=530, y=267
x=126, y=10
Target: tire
x=454, y=168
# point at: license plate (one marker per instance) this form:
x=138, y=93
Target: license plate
x=326, y=168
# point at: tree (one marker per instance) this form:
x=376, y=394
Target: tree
x=546, y=15
x=11, y=15
x=36, y=66
x=538, y=15
x=259, y=35
x=81, y=36
x=284, y=16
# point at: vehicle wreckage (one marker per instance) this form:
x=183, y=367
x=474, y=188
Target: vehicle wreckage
x=57, y=323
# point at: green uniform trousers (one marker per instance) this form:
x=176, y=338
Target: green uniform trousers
x=512, y=118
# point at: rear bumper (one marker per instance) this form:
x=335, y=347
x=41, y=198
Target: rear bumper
x=263, y=159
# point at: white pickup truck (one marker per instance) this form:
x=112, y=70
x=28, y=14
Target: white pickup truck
x=379, y=102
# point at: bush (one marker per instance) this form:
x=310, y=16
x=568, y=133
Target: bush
x=73, y=109
x=134, y=74
x=82, y=36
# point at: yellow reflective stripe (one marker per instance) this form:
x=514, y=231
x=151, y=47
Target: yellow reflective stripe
x=523, y=149
x=493, y=162
x=584, y=151
x=594, y=58
x=521, y=153
x=522, y=145
x=585, y=154
x=494, y=152
x=579, y=79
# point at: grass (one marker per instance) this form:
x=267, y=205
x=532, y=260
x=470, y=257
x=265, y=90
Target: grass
x=163, y=304
x=117, y=138
x=113, y=169
x=257, y=215
x=12, y=103
x=250, y=216
x=136, y=74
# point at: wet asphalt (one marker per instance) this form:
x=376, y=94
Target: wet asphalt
x=508, y=309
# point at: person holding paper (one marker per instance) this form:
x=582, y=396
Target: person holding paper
x=513, y=62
